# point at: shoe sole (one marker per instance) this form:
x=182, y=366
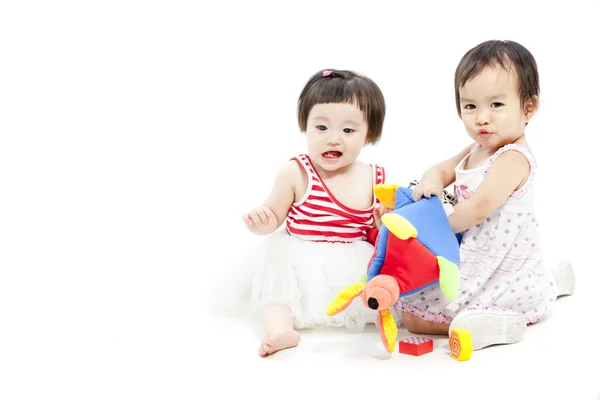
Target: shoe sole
x=489, y=328
x=565, y=278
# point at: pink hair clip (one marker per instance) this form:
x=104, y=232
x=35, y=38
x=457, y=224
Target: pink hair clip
x=326, y=73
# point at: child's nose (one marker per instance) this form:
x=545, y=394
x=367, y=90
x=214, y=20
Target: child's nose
x=334, y=138
x=483, y=118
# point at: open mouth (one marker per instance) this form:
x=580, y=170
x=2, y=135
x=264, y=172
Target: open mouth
x=332, y=155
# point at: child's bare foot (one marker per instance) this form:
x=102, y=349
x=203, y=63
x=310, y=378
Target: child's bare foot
x=278, y=340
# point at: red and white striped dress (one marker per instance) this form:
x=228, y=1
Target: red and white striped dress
x=320, y=217
x=322, y=247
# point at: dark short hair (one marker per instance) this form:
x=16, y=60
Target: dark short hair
x=339, y=86
x=506, y=54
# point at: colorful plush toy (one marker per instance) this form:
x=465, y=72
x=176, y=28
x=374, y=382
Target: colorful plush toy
x=421, y=251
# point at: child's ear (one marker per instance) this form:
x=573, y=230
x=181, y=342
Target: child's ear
x=531, y=107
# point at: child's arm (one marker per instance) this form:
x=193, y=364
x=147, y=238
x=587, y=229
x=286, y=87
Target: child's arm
x=379, y=211
x=507, y=174
x=438, y=177
x=267, y=218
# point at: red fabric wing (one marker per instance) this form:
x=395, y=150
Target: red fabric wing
x=411, y=263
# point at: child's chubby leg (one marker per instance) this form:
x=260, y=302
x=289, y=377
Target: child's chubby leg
x=418, y=325
x=278, y=324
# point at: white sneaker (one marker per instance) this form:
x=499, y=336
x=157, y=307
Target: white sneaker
x=565, y=278
x=489, y=327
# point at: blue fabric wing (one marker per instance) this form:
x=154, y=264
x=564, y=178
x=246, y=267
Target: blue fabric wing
x=379, y=257
x=433, y=229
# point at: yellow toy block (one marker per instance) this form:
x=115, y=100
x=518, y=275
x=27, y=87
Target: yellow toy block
x=461, y=345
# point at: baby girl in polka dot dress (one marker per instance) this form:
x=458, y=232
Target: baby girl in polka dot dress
x=505, y=283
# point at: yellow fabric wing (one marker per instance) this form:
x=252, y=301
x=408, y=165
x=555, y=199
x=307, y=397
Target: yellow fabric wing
x=399, y=226
x=387, y=330
x=345, y=297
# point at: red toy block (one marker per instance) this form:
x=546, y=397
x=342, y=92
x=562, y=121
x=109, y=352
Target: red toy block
x=415, y=346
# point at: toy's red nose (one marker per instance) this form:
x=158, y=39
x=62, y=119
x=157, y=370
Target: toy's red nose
x=381, y=292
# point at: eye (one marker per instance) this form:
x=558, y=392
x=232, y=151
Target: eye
x=348, y=130
x=497, y=104
x=469, y=107
x=321, y=127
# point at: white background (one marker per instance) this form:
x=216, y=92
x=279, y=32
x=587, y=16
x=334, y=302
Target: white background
x=133, y=135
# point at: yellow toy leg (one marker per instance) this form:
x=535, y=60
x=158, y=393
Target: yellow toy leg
x=387, y=330
x=345, y=297
x=461, y=345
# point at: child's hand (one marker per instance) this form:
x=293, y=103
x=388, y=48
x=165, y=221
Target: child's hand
x=428, y=189
x=260, y=220
x=378, y=212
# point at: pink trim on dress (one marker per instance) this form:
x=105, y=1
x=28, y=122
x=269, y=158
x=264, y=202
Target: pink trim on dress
x=520, y=149
x=525, y=187
x=426, y=315
x=441, y=318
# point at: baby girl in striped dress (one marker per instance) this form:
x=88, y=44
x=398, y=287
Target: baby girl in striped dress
x=320, y=214
x=505, y=283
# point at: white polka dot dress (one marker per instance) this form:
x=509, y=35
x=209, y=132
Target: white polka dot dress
x=502, y=265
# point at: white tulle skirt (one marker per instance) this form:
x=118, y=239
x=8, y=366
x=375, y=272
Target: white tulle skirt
x=302, y=275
